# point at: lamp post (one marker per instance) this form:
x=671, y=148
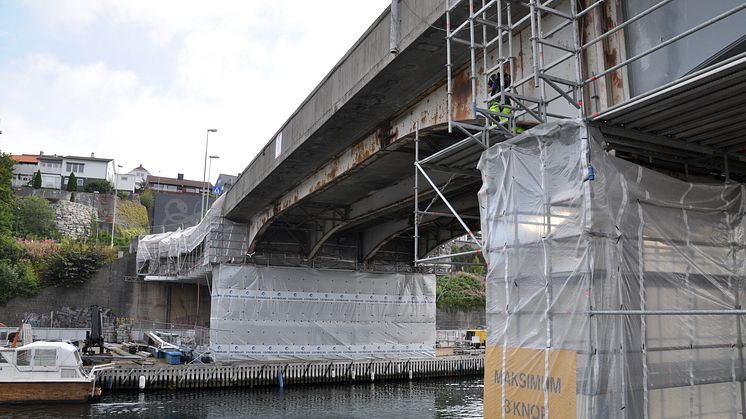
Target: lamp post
x=114, y=217
x=209, y=173
x=204, y=172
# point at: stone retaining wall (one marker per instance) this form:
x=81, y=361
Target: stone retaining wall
x=74, y=220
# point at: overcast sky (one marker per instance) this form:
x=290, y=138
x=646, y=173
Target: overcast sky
x=140, y=81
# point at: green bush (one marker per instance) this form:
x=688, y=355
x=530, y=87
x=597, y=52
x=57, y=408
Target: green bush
x=147, y=198
x=73, y=265
x=131, y=214
x=460, y=291
x=8, y=282
x=99, y=185
x=35, y=218
x=28, y=280
x=10, y=250
x=104, y=239
x=19, y=280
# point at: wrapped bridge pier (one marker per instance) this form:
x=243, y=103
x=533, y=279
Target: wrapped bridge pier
x=613, y=291
x=278, y=313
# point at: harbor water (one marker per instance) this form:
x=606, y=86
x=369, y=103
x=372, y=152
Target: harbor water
x=430, y=398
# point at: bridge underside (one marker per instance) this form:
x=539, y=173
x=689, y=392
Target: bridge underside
x=366, y=218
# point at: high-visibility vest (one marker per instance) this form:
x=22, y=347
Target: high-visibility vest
x=495, y=107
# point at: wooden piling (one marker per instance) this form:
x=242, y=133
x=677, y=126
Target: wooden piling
x=251, y=374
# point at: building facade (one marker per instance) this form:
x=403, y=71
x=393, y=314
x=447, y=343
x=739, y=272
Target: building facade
x=55, y=170
x=179, y=184
x=23, y=170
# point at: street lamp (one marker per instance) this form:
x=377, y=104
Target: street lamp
x=114, y=218
x=209, y=173
x=204, y=172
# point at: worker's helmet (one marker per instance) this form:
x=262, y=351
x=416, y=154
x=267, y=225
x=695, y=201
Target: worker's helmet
x=494, y=82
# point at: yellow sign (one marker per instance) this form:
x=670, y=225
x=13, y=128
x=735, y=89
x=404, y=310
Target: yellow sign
x=522, y=376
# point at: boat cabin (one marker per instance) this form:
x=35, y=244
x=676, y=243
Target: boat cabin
x=42, y=361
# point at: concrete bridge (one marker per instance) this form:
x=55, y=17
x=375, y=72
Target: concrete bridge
x=377, y=167
x=335, y=184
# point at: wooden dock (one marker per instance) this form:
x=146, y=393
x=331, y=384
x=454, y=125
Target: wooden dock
x=285, y=373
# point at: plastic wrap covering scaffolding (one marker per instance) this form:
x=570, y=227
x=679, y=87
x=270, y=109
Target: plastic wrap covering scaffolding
x=613, y=291
x=190, y=252
x=273, y=313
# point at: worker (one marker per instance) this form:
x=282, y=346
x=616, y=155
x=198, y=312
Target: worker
x=494, y=103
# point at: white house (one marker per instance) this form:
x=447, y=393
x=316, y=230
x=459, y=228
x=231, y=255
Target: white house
x=23, y=170
x=141, y=176
x=86, y=169
x=51, y=171
x=55, y=170
x=132, y=180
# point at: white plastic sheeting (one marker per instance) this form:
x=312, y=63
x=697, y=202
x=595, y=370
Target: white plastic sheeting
x=613, y=291
x=180, y=252
x=274, y=313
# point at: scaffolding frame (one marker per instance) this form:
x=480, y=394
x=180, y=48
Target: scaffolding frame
x=486, y=26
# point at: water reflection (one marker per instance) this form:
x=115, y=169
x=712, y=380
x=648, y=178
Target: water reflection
x=445, y=398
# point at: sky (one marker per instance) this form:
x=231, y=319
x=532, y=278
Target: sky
x=140, y=81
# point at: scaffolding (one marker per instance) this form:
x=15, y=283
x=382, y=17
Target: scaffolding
x=496, y=24
x=190, y=253
x=556, y=77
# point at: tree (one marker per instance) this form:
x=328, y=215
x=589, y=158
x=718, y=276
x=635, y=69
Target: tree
x=72, y=183
x=36, y=180
x=7, y=199
x=99, y=185
x=35, y=218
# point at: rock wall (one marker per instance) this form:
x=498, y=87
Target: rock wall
x=73, y=220
x=103, y=204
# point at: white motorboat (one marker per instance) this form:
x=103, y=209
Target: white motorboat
x=46, y=372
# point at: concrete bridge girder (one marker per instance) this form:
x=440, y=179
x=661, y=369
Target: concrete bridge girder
x=429, y=112
x=393, y=198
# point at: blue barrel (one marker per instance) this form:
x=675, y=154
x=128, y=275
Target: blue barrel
x=173, y=357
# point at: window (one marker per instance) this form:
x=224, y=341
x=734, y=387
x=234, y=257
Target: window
x=124, y=178
x=2, y=359
x=69, y=373
x=45, y=357
x=80, y=182
x=23, y=358
x=75, y=167
x=161, y=187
